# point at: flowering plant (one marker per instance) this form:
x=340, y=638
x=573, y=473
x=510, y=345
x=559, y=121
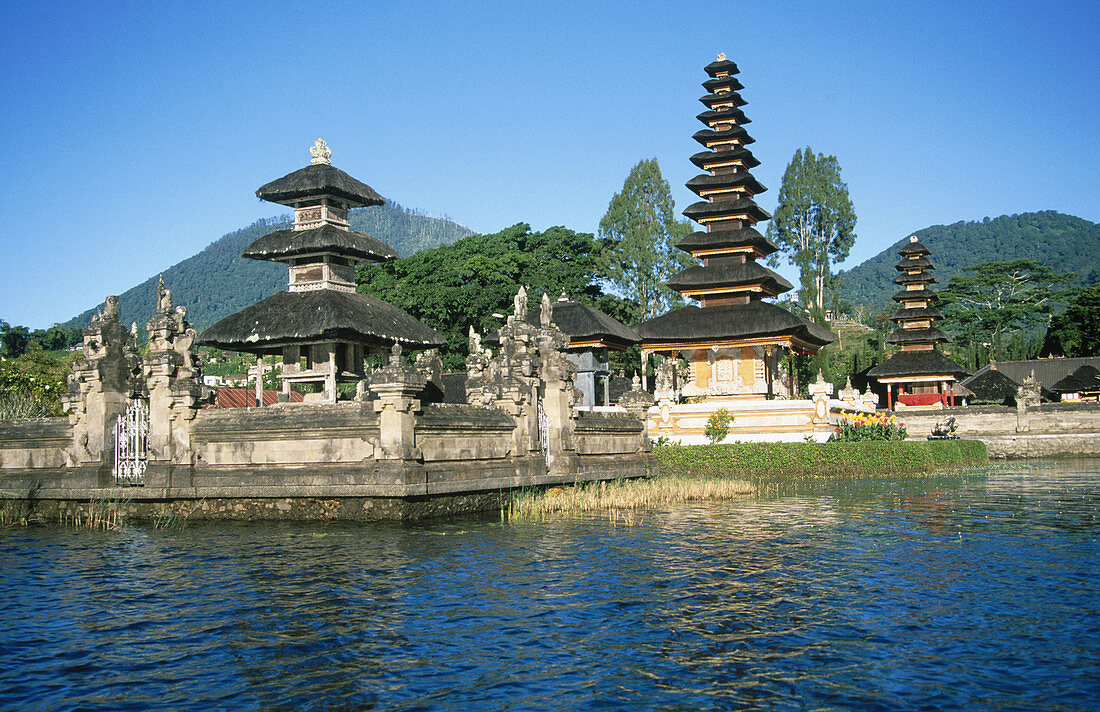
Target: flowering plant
x=869, y=426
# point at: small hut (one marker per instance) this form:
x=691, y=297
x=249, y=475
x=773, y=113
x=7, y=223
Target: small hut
x=321, y=327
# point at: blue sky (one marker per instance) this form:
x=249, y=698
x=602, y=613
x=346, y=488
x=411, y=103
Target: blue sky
x=136, y=133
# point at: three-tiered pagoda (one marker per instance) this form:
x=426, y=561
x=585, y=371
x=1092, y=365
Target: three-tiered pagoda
x=917, y=374
x=733, y=341
x=320, y=326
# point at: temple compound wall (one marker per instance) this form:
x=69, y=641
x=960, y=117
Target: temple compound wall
x=389, y=453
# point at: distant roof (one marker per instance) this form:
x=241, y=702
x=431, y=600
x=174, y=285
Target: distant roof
x=992, y=387
x=281, y=245
x=731, y=83
x=731, y=96
x=745, y=237
x=915, y=294
x=918, y=278
x=1086, y=378
x=580, y=323
x=908, y=336
x=918, y=363
x=720, y=65
x=246, y=397
x=707, y=158
x=319, y=179
x=913, y=247
x=1048, y=371
x=916, y=313
x=725, y=113
x=734, y=207
x=921, y=262
x=725, y=180
x=732, y=321
x=287, y=318
x=732, y=274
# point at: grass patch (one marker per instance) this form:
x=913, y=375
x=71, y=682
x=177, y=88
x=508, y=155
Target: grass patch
x=619, y=494
x=807, y=460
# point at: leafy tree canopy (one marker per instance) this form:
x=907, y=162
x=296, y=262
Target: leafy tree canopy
x=814, y=224
x=1076, y=331
x=640, y=231
x=996, y=297
x=454, y=287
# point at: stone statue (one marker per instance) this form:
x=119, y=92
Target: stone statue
x=395, y=354
x=474, y=346
x=944, y=429
x=546, y=311
x=520, y=303
x=319, y=152
x=665, y=386
x=164, y=297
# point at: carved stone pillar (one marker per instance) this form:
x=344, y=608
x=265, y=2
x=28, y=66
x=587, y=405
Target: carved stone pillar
x=636, y=402
x=398, y=388
x=820, y=390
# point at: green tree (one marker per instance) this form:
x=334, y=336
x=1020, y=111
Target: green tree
x=640, y=231
x=1076, y=331
x=997, y=297
x=814, y=224
x=14, y=339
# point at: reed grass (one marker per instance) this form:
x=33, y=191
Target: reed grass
x=571, y=500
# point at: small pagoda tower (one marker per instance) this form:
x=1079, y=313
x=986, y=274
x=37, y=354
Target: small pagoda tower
x=917, y=375
x=320, y=326
x=733, y=341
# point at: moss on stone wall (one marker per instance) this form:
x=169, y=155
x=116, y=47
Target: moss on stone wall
x=854, y=459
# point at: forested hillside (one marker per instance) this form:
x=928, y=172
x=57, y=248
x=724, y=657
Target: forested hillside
x=1064, y=242
x=218, y=282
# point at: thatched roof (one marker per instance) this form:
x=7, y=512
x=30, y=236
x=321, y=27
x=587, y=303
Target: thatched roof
x=919, y=278
x=918, y=363
x=707, y=158
x=745, y=237
x=725, y=180
x=720, y=65
x=916, y=313
x=914, y=248
x=580, y=323
x=724, y=208
x=1048, y=371
x=287, y=318
x=921, y=262
x=731, y=321
x=731, y=83
x=704, y=136
x=1084, y=379
x=712, y=99
x=319, y=179
x=992, y=387
x=281, y=245
x=725, y=113
x=915, y=294
x=730, y=274
x=909, y=336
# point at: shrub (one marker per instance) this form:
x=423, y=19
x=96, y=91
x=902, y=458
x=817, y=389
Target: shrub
x=858, y=427
x=718, y=425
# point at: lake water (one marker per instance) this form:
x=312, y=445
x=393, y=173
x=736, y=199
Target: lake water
x=975, y=592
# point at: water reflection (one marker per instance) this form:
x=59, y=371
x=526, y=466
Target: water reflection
x=954, y=592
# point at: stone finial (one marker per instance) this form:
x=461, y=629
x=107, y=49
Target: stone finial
x=564, y=296
x=319, y=153
x=395, y=354
x=912, y=238
x=520, y=303
x=546, y=311
x=110, y=310
x=164, y=297
x=721, y=56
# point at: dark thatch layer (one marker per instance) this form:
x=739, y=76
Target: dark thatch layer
x=580, y=322
x=917, y=313
x=708, y=158
x=992, y=387
x=725, y=180
x=1048, y=371
x=914, y=248
x=704, y=136
x=732, y=321
x=745, y=237
x=282, y=245
x=921, y=262
x=723, y=98
x=911, y=336
x=724, y=114
x=720, y=65
x=729, y=83
x=726, y=208
x=1084, y=380
x=324, y=314
x=731, y=274
x=319, y=179
x=915, y=294
x=919, y=278
x=918, y=363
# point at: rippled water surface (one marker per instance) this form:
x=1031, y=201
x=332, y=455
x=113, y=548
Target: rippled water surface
x=947, y=593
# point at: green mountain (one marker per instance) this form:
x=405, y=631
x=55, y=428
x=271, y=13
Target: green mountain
x=1064, y=242
x=218, y=282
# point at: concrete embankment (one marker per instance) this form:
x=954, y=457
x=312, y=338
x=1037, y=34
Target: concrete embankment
x=1052, y=430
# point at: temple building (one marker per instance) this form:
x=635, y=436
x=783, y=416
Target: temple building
x=917, y=375
x=591, y=334
x=734, y=342
x=321, y=326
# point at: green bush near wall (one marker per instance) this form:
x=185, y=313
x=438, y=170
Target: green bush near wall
x=835, y=459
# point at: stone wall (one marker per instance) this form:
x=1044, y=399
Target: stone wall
x=1051, y=430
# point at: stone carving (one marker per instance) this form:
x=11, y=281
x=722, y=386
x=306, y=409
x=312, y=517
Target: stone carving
x=474, y=345
x=319, y=153
x=546, y=311
x=519, y=304
x=666, y=383
x=944, y=429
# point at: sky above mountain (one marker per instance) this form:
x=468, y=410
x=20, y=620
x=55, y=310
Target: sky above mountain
x=136, y=133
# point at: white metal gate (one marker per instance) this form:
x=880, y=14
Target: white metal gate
x=132, y=445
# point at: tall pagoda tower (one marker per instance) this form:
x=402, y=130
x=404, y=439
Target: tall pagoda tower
x=733, y=341
x=917, y=374
x=320, y=326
